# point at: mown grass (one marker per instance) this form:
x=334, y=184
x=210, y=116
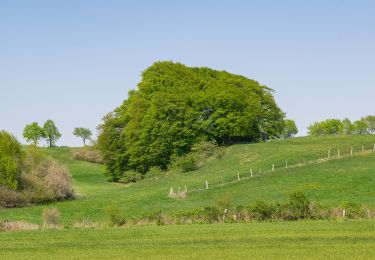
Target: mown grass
x=276, y=240
x=330, y=183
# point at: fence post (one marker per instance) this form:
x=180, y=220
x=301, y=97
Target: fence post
x=286, y=164
x=206, y=185
x=351, y=151
x=251, y=172
x=338, y=153
x=171, y=191
x=329, y=153
x=238, y=176
x=225, y=213
x=273, y=167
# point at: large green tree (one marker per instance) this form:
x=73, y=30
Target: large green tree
x=175, y=107
x=370, y=121
x=33, y=133
x=51, y=133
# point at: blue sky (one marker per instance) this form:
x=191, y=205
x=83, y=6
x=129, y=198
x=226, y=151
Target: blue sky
x=73, y=61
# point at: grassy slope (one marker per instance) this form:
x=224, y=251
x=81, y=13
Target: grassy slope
x=291, y=240
x=332, y=182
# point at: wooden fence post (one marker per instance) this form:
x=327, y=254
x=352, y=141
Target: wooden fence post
x=329, y=153
x=238, y=176
x=286, y=164
x=251, y=172
x=351, y=151
x=206, y=185
x=338, y=153
x=273, y=167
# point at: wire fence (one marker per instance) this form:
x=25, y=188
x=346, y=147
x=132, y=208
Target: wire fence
x=258, y=171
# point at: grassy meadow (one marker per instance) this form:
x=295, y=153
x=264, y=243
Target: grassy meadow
x=332, y=182
x=275, y=240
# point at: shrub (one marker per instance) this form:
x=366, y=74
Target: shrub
x=154, y=171
x=186, y=163
x=10, y=160
x=224, y=201
x=157, y=216
x=88, y=154
x=353, y=210
x=131, y=176
x=204, y=149
x=51, y=216
x=10, y=198
x=115, y=217
x=298, y=206
x=260, y=210
x=211, y=214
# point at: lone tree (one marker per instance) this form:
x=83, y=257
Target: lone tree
x=51, y=133
x=290, y=128
x=33, y=133
x=84, y=133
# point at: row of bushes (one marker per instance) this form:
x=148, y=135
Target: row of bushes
x=298, y=207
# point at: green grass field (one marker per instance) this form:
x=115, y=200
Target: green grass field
x=349, y=179
x=277, y=240
x=330, y=182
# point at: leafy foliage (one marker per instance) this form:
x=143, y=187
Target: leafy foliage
x=51, y=133
x=176, y=107
x=10, y=160
x=365, y=125
x=33, y=133
x=83, y=133
x=290, y=128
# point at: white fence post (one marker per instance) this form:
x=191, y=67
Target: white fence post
x=251, y=172
x=351, y=151
x=338, y=153
x=238, y=176
x=273, y=167
x=206, y=185
x=286, y=164
x=329, y=153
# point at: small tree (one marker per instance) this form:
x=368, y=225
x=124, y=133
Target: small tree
x=347, y=127
x=290, y=128
x=360, y=127
x=33, y=133
x=51, y=133
x=84, y=133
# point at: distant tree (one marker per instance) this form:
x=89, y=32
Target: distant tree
x=51, y=133
x=347, y=127
x=83, y=133
x=360, y=127
x=33, y=133
x=315, y=129
x=370, y=121
x=290, y=128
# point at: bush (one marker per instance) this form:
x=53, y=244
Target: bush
x=353, y=211
x=204, y=149
x=157, y=216
x=88, y=154
x=154, y=171
x=115, y=217
x=10, y=198
x=260, y=210
x=211, y=214
x=10, y=160
x=186, y=163
x=131, y=176
x=51, y=216
x=299, y=206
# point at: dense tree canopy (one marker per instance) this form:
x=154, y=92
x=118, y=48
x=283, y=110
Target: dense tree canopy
x=290, y=128
x=84, y=133
x=176, y=106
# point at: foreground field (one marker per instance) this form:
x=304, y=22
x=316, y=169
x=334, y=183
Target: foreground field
x=292, y=240
x=348, y=179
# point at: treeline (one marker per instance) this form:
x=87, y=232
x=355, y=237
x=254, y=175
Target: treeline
x=176, y=107
x=366, y=125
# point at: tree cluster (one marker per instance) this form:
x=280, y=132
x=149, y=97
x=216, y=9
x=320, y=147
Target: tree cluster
x=175, y=107
x=33, y=133
x=366, y=125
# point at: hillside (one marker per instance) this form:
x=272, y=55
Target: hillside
x=330, y=182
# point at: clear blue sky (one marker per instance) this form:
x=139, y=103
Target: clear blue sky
x=73, y=60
